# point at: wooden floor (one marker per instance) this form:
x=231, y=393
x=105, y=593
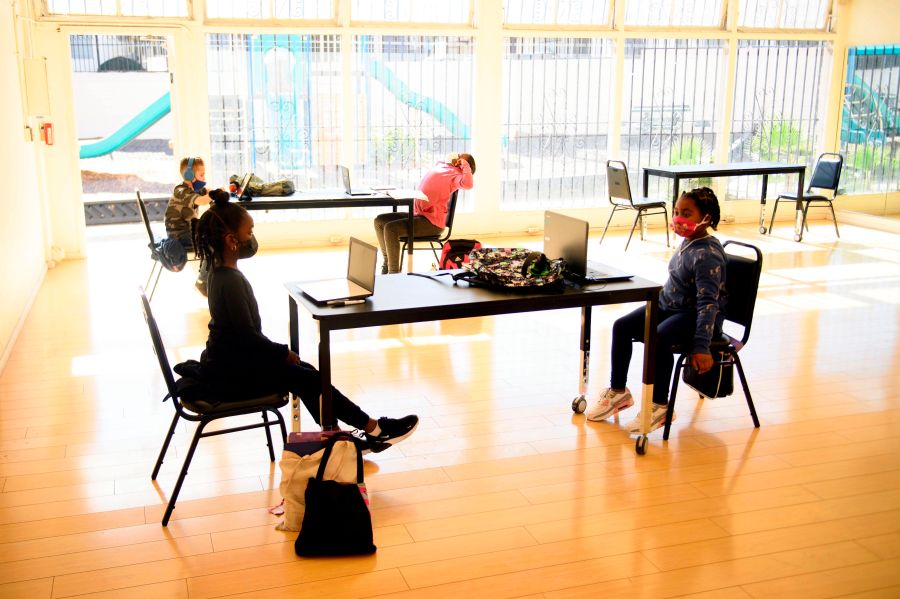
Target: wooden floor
x=503, y=491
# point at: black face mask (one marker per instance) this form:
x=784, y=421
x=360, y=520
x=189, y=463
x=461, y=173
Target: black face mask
x=248, y=248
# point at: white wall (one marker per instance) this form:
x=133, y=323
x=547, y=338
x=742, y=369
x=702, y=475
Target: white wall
x=869, y=22
x=22, y=238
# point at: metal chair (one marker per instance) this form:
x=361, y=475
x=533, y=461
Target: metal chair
x=741, y=283
x=826, y=175
x=435, y=242
x=205, y=409
x=621, y=199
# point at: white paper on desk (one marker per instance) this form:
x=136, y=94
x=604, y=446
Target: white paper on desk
x=404, y=194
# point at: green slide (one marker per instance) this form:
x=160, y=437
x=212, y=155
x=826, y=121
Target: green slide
x=137, y=125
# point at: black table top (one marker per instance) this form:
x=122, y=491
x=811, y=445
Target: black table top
x=331, y=198
x=404, y=298
x=733, y=168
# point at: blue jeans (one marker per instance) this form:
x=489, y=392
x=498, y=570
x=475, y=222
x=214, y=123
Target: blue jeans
x=674, y=328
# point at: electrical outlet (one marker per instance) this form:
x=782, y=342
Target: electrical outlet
x=335, y=240
x=728, y=218
x=532, y=230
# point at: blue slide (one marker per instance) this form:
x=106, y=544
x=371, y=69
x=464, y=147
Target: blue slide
x=404, y=94
x=137, y=125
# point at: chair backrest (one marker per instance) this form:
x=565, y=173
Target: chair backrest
x=142, y=208
x=617, y=184
x=158, y=347
x=451, y=212
x=742, y=283
x=827, y=172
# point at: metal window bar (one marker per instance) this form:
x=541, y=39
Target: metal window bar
x=670, y=104
x=779, y=113
x=274, y=109
x=556, y=110
x=870, y=120
x=415, y=105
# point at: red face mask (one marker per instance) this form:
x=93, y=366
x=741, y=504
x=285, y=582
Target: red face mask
x=684, y=226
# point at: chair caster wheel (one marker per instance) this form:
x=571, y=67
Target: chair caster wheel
x=762, y=230
x=579, y=404
x=640, y=445
x=798, y=237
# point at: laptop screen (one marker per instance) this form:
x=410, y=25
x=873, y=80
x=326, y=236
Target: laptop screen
x=567, y=238
x=361, y=265
x=345, y=177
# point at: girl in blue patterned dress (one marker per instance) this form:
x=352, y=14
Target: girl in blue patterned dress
x=690, y=311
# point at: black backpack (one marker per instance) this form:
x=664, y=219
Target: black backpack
x=170, y=253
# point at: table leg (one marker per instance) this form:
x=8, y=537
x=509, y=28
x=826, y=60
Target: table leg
x=325, y=398
x=579, y=404
x=646, y=185
x=762, y=204
x=798, y=209
x=650, y=318
x=409, y=247
x=294, y=344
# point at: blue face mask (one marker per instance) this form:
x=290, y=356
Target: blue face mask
x=198, y=185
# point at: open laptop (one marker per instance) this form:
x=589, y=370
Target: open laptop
x=345, y=178
x=360, y=281
x=567, y=238
x=242, y=185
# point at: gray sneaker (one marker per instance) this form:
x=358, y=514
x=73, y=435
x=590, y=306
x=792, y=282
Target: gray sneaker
x=610, y=403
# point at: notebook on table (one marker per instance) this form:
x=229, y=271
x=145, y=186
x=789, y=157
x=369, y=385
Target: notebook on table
x=358, y=285
x=567, y=238
x=345, y=179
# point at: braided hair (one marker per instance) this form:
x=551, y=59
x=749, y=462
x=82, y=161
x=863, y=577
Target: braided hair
x=223, y=217
x=707, y=203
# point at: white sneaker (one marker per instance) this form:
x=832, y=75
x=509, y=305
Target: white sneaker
x=610, y=403
x=657, y=420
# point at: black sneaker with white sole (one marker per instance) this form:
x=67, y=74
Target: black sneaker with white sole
x=393, y=430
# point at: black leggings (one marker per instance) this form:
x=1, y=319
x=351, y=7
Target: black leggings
x=674, y=328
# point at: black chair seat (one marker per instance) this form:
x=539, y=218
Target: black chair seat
x=211, y=407
x=435, y=242
x=804, y=198
x=649, y=203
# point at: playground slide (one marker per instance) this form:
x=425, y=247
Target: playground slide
x=403, y=93
x=867, y=103
x=137, y=125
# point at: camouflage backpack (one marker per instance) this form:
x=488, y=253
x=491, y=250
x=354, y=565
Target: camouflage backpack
x=516, y=268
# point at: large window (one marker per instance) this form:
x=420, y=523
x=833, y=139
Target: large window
x=783, y=14
x=129, y=8
x=681, y=13
x=779, y=100
x=414, y=105
x=671, y=100
x=411, y=11
x=275, y=107
x=556, y=12
x=556, y=106
x=268, y=9
x=870, y=120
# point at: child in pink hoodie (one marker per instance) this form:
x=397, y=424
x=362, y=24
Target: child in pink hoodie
x=430, y=215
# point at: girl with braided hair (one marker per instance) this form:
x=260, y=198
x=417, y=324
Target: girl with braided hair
x=690, y=311
x=238, y=358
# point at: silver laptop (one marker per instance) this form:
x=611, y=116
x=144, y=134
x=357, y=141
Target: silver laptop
x=567, y=238
x=242, y=185
x=345, y=178
x=360, y=281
